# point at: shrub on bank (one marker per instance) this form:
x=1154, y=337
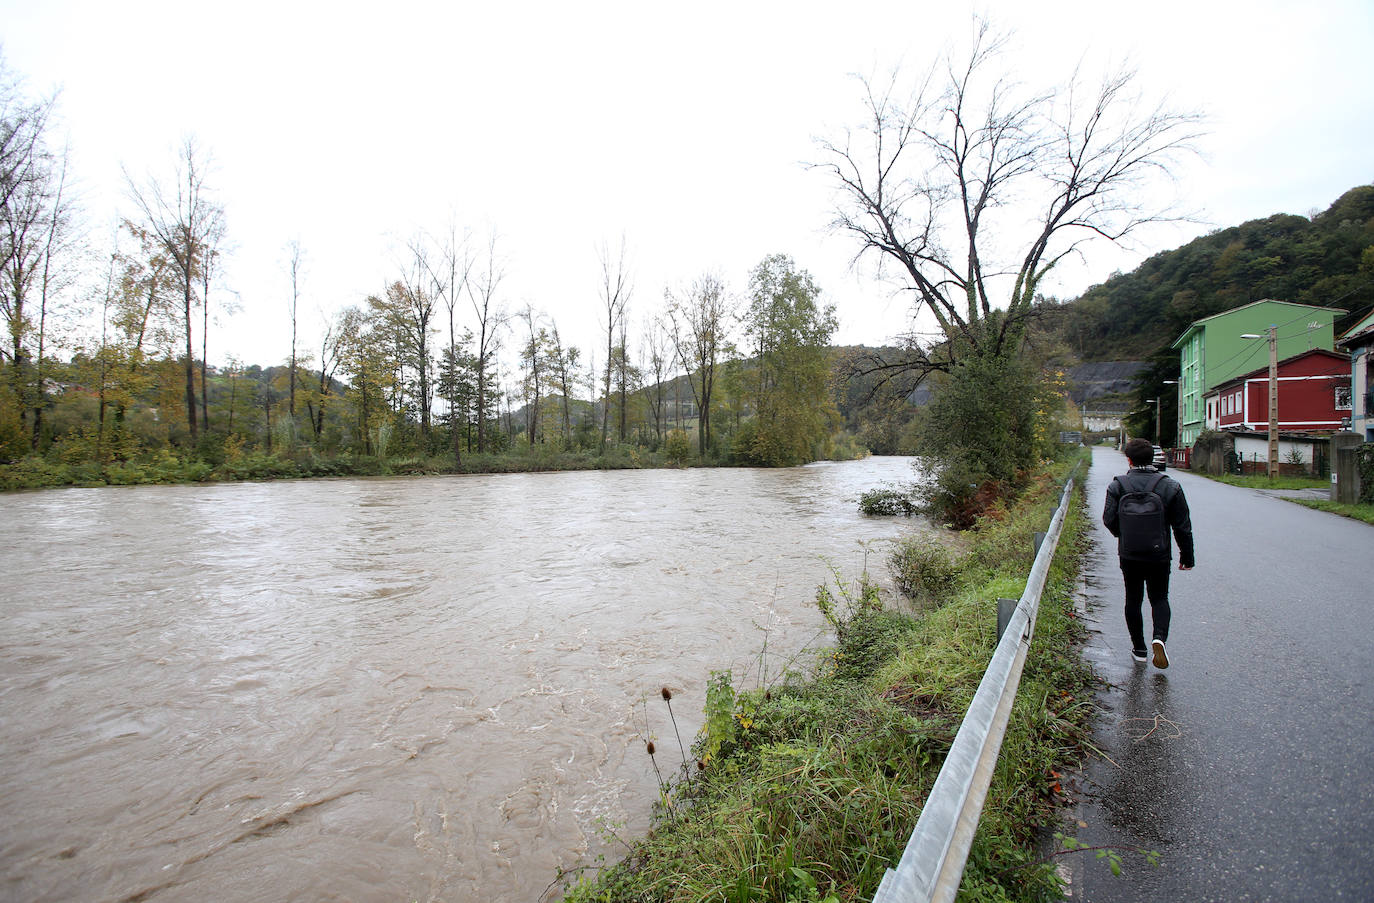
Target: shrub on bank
x=888, y=503
x=925, y=570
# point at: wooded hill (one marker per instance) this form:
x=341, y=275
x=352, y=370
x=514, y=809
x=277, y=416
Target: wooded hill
x=1325, y=261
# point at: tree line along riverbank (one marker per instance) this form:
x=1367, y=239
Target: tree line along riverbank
x=807, y=786
x=240, y=463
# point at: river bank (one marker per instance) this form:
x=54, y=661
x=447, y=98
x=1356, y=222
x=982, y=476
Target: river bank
x=168, y=468
x=806, y=786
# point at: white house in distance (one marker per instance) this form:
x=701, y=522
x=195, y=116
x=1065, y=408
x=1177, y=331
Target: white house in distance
x=1359, y=341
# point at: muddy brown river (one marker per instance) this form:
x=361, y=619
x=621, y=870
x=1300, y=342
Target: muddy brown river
x=415, y=689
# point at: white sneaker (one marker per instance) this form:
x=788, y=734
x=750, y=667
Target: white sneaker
x=1161, y=657
x=1140, y=655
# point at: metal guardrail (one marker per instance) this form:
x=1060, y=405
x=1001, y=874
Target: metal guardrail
x=932, y=864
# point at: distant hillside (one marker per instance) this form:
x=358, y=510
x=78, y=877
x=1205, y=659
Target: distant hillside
x=1327, y=261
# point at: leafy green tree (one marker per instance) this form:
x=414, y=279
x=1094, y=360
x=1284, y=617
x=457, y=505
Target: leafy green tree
x=407, y=314
x=986, y=424
x=367, y=359
x=458, y=386
x=788, y=333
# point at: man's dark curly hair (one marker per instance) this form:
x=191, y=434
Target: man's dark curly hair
x=1139, y=451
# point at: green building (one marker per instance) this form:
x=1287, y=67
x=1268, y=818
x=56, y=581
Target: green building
x=1211, y=350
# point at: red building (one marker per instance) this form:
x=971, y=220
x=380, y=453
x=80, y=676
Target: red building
x=1314, y=396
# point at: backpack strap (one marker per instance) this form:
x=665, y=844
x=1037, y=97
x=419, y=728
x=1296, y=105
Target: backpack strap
x=1158, y=478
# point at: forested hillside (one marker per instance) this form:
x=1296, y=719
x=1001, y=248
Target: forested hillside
x=1327, y=261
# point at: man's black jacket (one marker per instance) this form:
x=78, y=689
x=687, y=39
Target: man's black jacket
x=1175, y=512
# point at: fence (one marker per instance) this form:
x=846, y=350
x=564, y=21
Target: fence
x=933, y=862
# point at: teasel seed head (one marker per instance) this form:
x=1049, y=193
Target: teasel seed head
x=650, y=746
x=667, y=694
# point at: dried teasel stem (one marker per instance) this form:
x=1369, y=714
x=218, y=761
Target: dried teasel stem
x=649, y=747
x=668, y=700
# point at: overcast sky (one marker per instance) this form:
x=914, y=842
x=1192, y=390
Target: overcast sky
x=684, y=128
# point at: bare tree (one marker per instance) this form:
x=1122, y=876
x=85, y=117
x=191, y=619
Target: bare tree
x=626, y=378
x=483, y=293
x=331, y=356
x=409, y=312
x=449, y=276
x=33, y=222
x=25, y=164
x=657, y=356
x=615, y=298
x=294, y=263
x=532, y=359
x=52, y=279
x=699, y=321
x=564, y=360
x=974, y=189
x=36, y=234
x=212, y=256
x=185, y=223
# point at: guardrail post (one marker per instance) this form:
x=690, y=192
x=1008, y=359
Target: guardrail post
x=1005, y=608
x=1038, y=538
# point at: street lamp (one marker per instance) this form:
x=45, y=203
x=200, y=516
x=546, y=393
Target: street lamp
x=1178, y=417
x=1155, y=402
x=1273, y=396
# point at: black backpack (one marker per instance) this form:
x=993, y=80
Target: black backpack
x=1141, y=520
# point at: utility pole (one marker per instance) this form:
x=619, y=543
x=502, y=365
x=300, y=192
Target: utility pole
x=1273, y=401
x=1178, y=419
x=1273, y=396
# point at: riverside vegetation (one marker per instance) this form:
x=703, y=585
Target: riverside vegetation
x=805, y=787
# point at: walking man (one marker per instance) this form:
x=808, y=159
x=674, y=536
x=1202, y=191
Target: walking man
x=1142, y=507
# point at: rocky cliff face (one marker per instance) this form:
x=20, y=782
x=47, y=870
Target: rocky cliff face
x=1089, y=381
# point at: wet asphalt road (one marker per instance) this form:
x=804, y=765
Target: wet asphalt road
x=1249, y=763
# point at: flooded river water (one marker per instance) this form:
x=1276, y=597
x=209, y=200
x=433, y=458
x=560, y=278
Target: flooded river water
x=382, y=690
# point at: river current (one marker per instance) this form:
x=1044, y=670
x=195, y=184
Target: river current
x=385, y=689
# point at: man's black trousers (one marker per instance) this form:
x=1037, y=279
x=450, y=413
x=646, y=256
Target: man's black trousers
x=1143, y=577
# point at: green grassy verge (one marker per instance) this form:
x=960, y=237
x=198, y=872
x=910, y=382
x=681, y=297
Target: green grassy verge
x=807, y=790
x=1255, y=481
x=1358, y=512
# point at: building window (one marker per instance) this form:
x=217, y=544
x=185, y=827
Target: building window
x=1342, y=398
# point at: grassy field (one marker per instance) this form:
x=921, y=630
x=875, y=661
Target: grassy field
x=807, y=788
